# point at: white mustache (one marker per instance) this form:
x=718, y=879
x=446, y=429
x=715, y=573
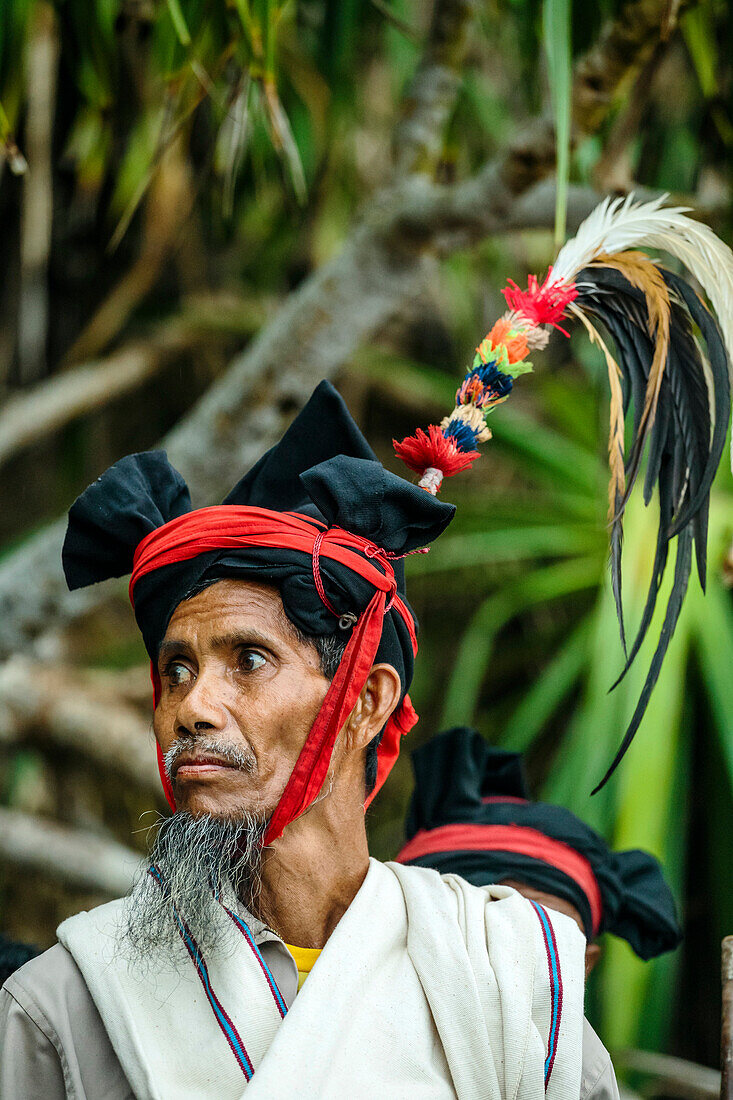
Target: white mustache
x=237, y=757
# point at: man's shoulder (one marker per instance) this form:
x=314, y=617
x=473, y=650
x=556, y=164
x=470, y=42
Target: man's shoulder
x=598, y=1080
x=52, y=980
x=51, y=1034
x=46, y=979
x=450, y=883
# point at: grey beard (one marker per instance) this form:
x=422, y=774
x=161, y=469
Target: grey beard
x=198, y=859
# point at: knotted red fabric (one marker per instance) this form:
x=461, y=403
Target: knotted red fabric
x=236, y=526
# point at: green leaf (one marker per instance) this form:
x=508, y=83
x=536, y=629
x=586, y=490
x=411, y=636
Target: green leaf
x=508, y=545
x=557, y=36
x=478, y=640
x=545, y=695
x=650, y=802
x=714, y=644
x=179, y=22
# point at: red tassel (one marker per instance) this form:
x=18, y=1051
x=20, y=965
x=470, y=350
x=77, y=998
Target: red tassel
x=431, y=450
x=542, y=305
x=312, y=764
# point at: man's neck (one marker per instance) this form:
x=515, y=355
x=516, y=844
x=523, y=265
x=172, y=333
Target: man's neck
x=312, y=873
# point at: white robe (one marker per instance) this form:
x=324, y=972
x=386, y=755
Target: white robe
x=428, y=987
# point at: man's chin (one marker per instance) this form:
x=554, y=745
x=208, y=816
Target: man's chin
x=217, y=812
x=199, y=802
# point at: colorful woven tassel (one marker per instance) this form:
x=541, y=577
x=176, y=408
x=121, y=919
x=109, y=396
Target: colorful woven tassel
x=450, y=447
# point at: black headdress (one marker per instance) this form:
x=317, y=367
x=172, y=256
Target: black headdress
x=320, y=488
x=322, y=467
x=469, y=797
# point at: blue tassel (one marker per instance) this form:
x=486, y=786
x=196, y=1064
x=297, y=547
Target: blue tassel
x=464, y=436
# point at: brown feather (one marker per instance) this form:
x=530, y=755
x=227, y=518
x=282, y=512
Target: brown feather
x=617, y=484
x=644, y=274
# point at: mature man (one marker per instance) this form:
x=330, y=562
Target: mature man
x=471, y=815
x=282, y=651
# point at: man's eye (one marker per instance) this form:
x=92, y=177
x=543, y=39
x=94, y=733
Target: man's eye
x=178, y=674
x=250, y=660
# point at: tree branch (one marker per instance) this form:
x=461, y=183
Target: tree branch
x=81, y=712
x=675, y=1076
x=624, y=46
x=34, y=413
x=37, y=209
x=77, y=857
x=429, y=102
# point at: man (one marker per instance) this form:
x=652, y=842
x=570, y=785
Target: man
x=263, y=952
x=471, y=815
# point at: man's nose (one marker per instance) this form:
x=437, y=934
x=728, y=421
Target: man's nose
x=201, y=707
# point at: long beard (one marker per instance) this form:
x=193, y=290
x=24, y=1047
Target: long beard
x=197, y=860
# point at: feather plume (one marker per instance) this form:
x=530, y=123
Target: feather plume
x=643, y=274
x=617, y=482
x=678, y=394
x=685, y=432
x=620, y=224
x=679, y=587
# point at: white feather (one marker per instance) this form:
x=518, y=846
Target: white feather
x=618, y=224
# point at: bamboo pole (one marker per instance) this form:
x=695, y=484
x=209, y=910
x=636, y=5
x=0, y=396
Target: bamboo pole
x=726, y=1034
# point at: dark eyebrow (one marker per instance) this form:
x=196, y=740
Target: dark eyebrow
x=171, y=648
x=237, y=640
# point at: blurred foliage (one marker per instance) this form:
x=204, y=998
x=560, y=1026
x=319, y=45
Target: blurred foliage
x=278, y=119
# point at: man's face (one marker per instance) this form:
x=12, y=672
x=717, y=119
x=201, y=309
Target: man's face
x=234, y=675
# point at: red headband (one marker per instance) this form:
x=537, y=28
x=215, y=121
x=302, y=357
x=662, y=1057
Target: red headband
x=236, y=526
x=510, y=838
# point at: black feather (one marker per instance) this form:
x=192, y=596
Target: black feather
x=718, y=360
x=666, y=509
x=606, y=293
x=684, y=442
x=683, y=565
x=635, y=352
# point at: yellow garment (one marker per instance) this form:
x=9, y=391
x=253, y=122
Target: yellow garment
x=305, y=960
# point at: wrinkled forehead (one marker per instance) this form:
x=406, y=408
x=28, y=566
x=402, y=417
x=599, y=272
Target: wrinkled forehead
x=219, y=607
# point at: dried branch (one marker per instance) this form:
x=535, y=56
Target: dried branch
x=77, y=857
x=79, y=712
x=624, y=46
x=431, y=96
x=35, y=413
x=677, y=1077
x=726, y=1030
x=37, y=213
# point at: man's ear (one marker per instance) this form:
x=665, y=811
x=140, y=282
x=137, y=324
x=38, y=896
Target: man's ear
x=377, y=700
x=593, y=953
